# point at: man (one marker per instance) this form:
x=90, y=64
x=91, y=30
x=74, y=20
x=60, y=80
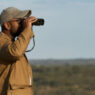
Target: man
x=15, y=71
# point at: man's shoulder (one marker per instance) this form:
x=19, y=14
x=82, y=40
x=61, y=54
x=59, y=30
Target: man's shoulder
x=1, y=35
x=4, y=38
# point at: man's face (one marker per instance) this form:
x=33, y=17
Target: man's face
x=16, y=26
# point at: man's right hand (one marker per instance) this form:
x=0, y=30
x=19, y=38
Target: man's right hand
x=27, y=23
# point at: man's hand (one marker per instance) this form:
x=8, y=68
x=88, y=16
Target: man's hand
x=28, y=22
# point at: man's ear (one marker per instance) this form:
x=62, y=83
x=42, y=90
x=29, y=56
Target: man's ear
x=7, y=25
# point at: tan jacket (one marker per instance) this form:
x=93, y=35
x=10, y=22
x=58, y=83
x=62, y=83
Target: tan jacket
x=15, y=70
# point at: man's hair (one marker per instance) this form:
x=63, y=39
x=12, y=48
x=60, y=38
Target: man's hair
x=3, y=27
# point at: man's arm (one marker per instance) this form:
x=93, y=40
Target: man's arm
x=13, y=51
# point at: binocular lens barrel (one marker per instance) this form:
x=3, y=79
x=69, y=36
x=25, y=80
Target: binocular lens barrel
x=39, y=22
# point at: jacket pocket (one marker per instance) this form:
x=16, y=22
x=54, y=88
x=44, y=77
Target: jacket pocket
x=19, y=76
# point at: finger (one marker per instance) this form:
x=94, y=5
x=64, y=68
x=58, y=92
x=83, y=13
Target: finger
x=31, y=18
x=32, y=21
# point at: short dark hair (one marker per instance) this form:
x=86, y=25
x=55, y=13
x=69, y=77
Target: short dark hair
x=3, y=27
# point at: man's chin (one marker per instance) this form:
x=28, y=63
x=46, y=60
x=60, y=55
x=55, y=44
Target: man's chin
x=15, y=34
x=19, y=31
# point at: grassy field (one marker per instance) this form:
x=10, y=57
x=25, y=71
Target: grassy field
x=64, y=80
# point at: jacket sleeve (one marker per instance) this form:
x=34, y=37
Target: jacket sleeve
x=14, y=50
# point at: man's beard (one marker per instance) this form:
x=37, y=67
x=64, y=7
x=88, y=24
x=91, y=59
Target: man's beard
x=20, y=29
x=18, y=32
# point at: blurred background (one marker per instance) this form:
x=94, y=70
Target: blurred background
x=63, y=60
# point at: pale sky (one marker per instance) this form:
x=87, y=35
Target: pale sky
x=69, y=30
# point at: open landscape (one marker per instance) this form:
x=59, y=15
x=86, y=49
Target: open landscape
x=67, y=78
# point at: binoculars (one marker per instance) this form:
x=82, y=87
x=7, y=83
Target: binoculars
x=39, y=22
